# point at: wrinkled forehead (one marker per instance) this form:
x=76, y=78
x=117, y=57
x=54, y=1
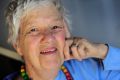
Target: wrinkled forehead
x=46, y=13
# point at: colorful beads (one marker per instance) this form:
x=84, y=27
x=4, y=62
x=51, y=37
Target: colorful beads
x=66, y=72
x=63, y=68
x=23, y=73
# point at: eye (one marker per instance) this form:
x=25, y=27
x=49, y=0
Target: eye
x=33, y=31
x=55, y=27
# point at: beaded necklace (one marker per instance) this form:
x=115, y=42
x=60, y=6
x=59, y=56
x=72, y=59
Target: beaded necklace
x=63, y=68
x=66, y=72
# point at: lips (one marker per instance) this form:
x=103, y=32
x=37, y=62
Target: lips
x=48, y=51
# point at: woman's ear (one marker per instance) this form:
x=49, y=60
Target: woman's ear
x=67, y=31
x=17, y=48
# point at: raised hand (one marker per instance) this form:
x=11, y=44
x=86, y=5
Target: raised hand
x=79, y=48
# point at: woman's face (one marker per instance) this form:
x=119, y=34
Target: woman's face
x=42, y=38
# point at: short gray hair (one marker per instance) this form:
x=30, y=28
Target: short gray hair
x=15, y=11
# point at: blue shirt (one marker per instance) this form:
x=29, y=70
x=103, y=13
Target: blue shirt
x=92, y=69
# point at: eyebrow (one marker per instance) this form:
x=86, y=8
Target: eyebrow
x=58, y=18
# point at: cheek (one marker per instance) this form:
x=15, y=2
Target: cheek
x=61, y=39
x=31, y=45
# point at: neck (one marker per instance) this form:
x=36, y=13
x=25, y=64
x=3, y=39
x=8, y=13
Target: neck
x=41, y=74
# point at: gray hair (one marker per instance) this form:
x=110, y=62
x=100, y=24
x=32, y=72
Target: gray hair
x=17, y=8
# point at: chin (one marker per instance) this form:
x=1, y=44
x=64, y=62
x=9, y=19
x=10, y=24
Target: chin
x=53, y=65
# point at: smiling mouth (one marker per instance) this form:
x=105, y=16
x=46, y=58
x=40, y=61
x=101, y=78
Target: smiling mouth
x=48, y=51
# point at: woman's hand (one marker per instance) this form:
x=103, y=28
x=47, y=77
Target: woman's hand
x=79, y=48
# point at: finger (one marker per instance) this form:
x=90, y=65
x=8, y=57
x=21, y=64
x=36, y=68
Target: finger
x=81, y=52
x=66, y=52
x=75, y=53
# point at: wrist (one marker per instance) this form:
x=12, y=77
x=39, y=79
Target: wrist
x=103, y=50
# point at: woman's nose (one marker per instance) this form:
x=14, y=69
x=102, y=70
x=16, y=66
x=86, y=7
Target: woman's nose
x=47, y=36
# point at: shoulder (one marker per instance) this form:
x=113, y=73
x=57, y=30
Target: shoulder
x=81, y=69
x=75, y=65
x=85, y=62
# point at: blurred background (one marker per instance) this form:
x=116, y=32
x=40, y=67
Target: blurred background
x=96, y=20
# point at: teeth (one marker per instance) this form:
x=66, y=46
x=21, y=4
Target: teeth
x=51, y=50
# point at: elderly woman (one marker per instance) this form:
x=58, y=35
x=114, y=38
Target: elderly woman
x=39, y=31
